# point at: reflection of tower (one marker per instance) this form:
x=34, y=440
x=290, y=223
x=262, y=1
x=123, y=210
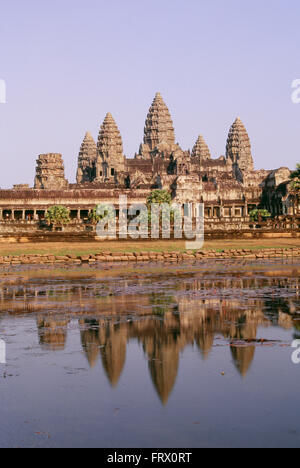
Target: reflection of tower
x=205, y=341
x=52, y=333
x=162, y=343
x=243, y=357
x=113, y=342
x=90, y=340
x=163, y=366
x=205, y=331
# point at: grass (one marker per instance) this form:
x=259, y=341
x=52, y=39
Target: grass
x=62, y=248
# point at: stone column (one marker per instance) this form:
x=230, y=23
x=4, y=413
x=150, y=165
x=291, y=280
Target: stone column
x=1, y=215
x=23, y=215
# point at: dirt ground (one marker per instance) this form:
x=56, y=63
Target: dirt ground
x=62, y=248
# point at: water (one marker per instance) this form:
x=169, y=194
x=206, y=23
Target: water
x=150, y=355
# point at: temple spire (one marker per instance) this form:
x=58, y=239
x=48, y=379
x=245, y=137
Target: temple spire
x=159, y=126
x=201, y=149
x=111, y=159
x=86, y=159
x=238, y=147
x=110, y=140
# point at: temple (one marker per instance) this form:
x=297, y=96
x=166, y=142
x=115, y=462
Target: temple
x=229, y=186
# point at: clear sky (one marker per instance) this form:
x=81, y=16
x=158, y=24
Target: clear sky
x=66, y=63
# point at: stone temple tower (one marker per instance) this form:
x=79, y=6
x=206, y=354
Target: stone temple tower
x=238, y=149
x=87, y=160
x=50, y=172
x=159, y=131
x=200, y=150
x=110, y=157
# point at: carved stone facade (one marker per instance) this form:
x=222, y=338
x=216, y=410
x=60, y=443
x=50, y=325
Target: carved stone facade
x=110, y=164
x=228, y=186
x=238, y=149
x=87, y=160
x=50, y=172
x=200, y=151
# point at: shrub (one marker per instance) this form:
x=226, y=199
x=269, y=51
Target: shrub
x=257, y=215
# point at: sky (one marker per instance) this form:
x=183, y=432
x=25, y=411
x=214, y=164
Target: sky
x=66, y=63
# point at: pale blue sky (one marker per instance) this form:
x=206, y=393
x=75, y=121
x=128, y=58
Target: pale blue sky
x=67, y=63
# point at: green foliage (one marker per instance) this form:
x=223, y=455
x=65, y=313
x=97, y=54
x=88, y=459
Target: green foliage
x=58, y=215
x=296, y=173
x=257, y=215
x=159, y=197
x=295, y=185
x=96, y=216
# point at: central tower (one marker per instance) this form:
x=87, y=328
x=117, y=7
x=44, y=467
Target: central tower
x=159, y=130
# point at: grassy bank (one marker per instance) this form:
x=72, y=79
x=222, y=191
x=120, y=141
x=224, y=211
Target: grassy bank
x=78, y=249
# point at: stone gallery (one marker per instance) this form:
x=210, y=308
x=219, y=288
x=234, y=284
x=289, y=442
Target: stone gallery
x=229, y=186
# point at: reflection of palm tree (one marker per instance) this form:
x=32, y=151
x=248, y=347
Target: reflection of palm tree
x=52, y=333
x=297, y=330
x=160, y=303
x=275, y=307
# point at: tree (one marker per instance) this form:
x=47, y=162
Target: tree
x=161, y=197
x=296, y=174
x=259, y=215
x=295, y=187
x=58, y=216
x=95, y=216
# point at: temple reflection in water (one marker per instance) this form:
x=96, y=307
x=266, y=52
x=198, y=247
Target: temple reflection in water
x=194, y=312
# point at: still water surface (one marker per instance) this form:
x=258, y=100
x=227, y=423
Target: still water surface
x=150, y=355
